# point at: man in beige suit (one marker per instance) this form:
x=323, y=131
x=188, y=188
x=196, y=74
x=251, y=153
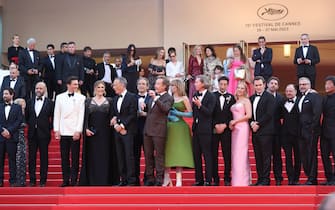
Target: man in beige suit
x=155, y=131
x=68, y=126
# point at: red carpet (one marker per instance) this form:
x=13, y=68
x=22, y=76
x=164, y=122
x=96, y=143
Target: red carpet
x=232, y=198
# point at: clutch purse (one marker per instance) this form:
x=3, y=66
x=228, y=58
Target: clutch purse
x=240, y=73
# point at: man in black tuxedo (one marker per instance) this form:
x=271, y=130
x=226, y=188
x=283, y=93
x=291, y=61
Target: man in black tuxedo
x=59, y=57
x=203, y=109
x=30, y=66
x=39, y=112
x=310, y=109
x=124, y=122
x=262, y=126
x=107, y=73
x=90, y=72
x=289, y=134
x=222, y=133
x=142, y=98
x=306, y=57
x=155, y=131
x=14, y=81
x=263, y=58
x=272, y=88
x=71, y=65
x=49, y=70
x=10, y=121
x=328, y=132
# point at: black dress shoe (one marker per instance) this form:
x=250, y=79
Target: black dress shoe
x=207, y=184
x=64, y=184
x=227, y=183
x=255, y=184
x=12, y=185
x=198, y=184
x=122, y=183
x=147, y=183
x=42, y=184
x=158, y=184
x=32, y=184
x=311, y=183
x=1, y=184
x=216, y=184
x=278, y=183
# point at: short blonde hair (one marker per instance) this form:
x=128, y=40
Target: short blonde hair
x=242, y=82
x=180, y=86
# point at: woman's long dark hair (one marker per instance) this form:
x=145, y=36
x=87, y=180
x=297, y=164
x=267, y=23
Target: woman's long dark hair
x=129, y=51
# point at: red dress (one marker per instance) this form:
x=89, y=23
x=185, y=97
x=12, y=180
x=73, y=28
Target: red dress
x=194, y=69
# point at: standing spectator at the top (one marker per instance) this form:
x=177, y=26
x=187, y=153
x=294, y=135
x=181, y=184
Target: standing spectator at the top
x=263, y=58
x=13, y=51
x=49, y=71
x=306, y=57
x=59, y=57
x=71, y=65
x=30, y=66
x=156, y=67
x=210, y=62
x=130, y=65
x=90, y=72
x=174, y=68
x=195, y=68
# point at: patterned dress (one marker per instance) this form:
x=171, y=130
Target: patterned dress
x=21, y=159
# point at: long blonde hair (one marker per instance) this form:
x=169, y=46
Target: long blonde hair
x=180, y=86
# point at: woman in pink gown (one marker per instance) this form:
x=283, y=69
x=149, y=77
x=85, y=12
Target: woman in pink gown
x=240, y=169
x=239, y=61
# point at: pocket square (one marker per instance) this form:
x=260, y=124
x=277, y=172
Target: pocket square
x=307, y=101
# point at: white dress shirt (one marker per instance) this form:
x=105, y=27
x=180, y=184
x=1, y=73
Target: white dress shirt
x=108, y=73
x=302, y=100
x=120, y=100
x=289, y=106
x=52, y=60
x=141, y=101
x=31, y=53
x=305, y=50
x=12, y=83
x=7, y=110
x=38, y=105
x=255, y=104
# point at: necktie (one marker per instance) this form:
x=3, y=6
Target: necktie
x=71, y=94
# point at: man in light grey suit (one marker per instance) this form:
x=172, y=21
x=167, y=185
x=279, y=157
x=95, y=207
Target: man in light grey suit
x=68, y=125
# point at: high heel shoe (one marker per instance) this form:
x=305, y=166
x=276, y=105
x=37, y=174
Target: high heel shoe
x=167, y=183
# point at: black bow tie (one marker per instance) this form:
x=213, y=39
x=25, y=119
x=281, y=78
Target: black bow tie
x=140, y=96
x=8, y=104
x=306, y=46
x=52, y=56
x=222, y=94
x=199, y=94
x=12, y=80
x=71, y=94
x=258, y=95
x=290, y=101
x=39, y=98
x=120, y=96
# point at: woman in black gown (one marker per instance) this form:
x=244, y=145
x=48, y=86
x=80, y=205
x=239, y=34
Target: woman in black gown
x=130, y=67
x=98, y=167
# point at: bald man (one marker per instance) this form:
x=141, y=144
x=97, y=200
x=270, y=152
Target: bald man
x=39, y=111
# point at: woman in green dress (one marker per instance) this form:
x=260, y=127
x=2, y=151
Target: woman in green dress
x=178, y=149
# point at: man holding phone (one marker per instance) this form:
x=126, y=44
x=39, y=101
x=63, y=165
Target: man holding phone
x=306, y=57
